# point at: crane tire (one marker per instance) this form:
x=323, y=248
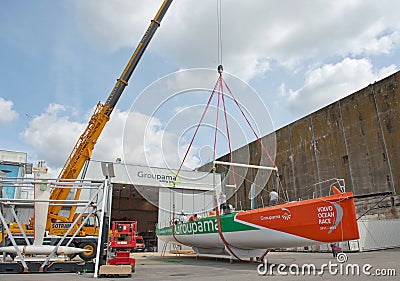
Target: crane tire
x=86, y=256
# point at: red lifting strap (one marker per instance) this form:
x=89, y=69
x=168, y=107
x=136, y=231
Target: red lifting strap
x=221, y=97
x=220, y=84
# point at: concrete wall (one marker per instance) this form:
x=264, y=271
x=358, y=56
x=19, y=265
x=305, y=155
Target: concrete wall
x=355, y=138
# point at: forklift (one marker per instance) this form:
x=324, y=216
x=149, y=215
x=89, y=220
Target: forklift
x=122, y=242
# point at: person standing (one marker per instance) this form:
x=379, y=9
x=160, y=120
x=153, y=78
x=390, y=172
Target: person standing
x=273, y=197
x=335, y=249
x=222, y=201
x=183, y=217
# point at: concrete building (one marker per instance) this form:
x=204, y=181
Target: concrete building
x=355, y=138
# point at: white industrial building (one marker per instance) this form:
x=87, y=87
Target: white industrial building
x=149, y=195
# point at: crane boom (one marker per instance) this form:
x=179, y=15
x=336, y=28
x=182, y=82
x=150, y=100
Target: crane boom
x=83, y=148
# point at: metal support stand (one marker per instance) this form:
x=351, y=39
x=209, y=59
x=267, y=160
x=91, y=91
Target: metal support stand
x=3, y=221
x=48, y=264
x=102, y=214
x=164, y=249
x=72, y=226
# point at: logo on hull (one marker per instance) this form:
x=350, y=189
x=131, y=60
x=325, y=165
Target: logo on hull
x=286, y=215
x=330, y=216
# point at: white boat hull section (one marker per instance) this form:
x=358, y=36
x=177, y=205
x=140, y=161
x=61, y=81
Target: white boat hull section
x=42, y=250
x=250, y=239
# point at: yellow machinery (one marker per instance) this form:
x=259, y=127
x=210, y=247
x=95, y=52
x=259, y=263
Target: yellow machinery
x=83, y=148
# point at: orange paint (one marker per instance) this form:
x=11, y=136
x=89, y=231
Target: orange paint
x=331, y=218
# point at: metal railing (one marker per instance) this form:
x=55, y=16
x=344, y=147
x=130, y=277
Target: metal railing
x=10, y=207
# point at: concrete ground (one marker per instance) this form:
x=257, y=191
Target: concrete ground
x=282, y=266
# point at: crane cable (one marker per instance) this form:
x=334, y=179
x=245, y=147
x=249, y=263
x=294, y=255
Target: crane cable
x=219, y=31
x=186, y=154
x=221, y=93
x=220, y=83
x=220, y=80
x=217, y=214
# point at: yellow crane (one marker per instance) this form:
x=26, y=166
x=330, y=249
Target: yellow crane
x=83, y=149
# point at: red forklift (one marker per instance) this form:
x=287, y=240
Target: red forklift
x=122, y=242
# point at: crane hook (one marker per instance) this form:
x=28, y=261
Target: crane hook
x=220, y=69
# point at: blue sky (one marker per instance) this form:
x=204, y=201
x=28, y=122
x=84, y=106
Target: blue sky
x=59, y=58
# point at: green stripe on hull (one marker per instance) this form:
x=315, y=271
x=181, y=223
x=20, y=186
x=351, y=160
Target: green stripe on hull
x=205, y=226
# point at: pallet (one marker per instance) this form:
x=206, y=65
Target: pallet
x=116, y=271
x=183, y=252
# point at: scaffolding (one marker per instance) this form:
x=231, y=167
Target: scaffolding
x=97, y=204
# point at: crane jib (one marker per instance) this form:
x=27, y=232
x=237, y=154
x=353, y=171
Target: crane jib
x=122, y=82
x=83, y=148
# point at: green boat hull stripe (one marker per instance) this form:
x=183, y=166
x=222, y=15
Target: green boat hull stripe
x=207, y=225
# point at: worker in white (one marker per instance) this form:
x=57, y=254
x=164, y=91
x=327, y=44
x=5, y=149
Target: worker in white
x=183, y=217
x=273, y=197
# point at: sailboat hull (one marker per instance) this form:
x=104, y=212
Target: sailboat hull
x=308, y=222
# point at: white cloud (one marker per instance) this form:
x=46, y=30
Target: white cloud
x=7, y=113
x=379, y=45
x=115, y=24
x=53, y=135
x=253, y=34
x=332, y=82
x=145, y=142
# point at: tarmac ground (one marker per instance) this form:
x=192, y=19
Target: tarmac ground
x=374, y=265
